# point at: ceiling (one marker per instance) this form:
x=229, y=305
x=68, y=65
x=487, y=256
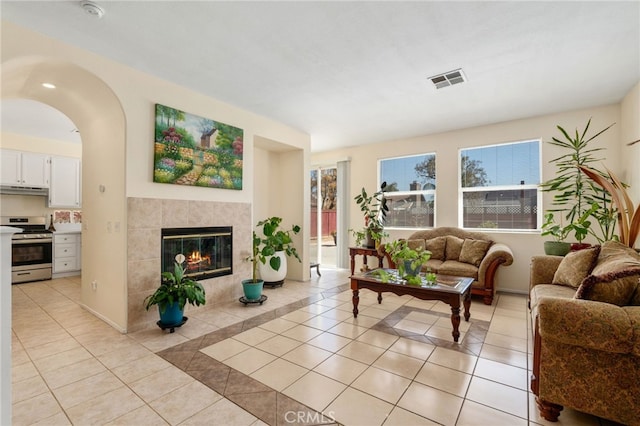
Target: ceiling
x=351, y=73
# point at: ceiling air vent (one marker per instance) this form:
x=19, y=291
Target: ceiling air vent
x=448, y=79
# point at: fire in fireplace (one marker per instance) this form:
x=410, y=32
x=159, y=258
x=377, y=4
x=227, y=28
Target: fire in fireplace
x=208, y=250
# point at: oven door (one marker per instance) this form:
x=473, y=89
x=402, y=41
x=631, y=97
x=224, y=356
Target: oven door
x=31, y=259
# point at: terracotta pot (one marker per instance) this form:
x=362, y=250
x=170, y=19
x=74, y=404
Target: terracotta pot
x=579, y=246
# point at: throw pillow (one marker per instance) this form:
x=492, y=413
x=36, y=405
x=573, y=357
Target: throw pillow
x=635, y=299
x=453, y=248
x=615, y=287
x=415, y=244
x=437, y=247
x=473, y=251
x=615, y=256
x=576, y=266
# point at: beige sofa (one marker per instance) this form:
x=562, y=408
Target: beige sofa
x=457, y=252
x=585, y=313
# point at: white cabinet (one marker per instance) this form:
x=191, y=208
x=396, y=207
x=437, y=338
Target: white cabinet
x=66, y=254
x=66, y=177
x=26, y=169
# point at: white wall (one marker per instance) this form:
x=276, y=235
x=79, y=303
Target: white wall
x=515, y=278
x=629, y=132
x=282, y=190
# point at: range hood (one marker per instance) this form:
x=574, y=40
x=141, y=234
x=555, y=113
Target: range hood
x=24, y=190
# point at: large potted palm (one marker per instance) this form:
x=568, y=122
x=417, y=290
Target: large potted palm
x=175, y=291
x=575, y=197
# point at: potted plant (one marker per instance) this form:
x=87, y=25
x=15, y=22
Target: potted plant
x=175, y=291
x=557, y=246
x=374, y=208
x=575, y=196
x=408, y=261
x=628, y=216
x=273, y=246
x=252, y=287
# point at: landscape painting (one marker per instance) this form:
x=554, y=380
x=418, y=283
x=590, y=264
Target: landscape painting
x=193, y=150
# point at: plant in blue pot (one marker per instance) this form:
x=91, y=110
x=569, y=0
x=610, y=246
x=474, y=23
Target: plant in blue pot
x=407, y=260
x=252, y=287
x=175, y=291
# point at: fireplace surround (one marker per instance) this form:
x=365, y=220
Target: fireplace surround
x=146, y=217
x=208, y=250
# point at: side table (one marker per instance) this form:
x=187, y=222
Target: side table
x=364, y=252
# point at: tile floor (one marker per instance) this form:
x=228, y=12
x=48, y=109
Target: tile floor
x=300, y=358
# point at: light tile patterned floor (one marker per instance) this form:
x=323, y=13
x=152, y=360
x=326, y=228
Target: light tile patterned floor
x=299, y=358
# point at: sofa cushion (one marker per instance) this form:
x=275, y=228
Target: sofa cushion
x=473, y=251
x=433, y=265
x=459, y=269
x=576, y=266
x=549, y=290
x=616, y=287
x=635, y=298
x=615, y=256
x=437, y=247
x=416, y=244
x=614, y=279
x=453, y=248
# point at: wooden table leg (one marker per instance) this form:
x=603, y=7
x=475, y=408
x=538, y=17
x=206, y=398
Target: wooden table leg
x=353, y=263
x=379, y=298
x=355, y=299
x=455, y=321
x=467, y=305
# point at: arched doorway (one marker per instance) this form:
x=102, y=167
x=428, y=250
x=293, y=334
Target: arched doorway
x=99, y=117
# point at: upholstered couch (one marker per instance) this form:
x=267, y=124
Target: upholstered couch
x=585, y=313
x=455, y=251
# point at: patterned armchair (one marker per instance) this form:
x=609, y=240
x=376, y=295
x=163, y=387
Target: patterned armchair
x=585, y=313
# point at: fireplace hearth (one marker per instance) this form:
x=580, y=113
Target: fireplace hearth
x=208, y=250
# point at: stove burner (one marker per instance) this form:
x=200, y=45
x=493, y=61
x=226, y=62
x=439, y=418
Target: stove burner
x=33, y=227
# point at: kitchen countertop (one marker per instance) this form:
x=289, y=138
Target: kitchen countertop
x=67, y=228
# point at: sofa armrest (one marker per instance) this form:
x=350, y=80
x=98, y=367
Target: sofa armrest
x=542, y=270
x=498, y=254
x=585, y=323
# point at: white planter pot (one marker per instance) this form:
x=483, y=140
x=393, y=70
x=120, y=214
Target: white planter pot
x=268, y=274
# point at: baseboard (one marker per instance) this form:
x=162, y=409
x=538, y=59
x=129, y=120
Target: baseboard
x=512, y=291
x=105, y=319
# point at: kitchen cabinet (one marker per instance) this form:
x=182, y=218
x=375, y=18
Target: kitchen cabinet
x=24, y=169
x=66, y=182
x=66, y=254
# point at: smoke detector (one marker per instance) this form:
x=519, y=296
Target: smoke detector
x=92, y=8
x=448, y=78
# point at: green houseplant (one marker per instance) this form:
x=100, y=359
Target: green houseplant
x=252, y=287
x=557, y=246
x=628, y=216
x=273, y=247
x=408, y=261
x=175, y=291
x=374, y=208
x=575, y=196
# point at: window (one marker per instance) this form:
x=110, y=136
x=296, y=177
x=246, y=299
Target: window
x=499, y=186
x=410, y=192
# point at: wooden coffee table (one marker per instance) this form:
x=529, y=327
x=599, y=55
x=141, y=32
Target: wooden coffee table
x=455, y=291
